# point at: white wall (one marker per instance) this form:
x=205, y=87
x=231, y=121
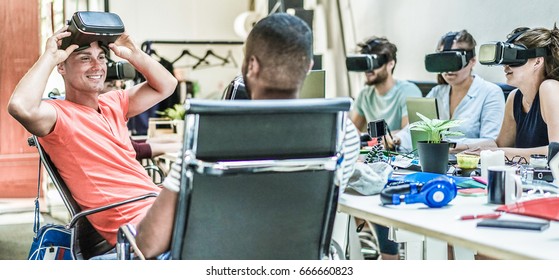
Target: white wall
x=192, y=20
x=416, y=26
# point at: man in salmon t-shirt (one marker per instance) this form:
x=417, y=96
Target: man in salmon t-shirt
x=86, y=134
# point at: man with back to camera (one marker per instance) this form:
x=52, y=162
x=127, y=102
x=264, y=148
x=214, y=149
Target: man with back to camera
x=278, y=56
x=86, y=134
x=383, y=96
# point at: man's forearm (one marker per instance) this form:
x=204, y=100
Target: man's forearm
x=157, y=77
x=29, y=91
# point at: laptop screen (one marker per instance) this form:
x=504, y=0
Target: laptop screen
x=314, y=85
x=427, y=107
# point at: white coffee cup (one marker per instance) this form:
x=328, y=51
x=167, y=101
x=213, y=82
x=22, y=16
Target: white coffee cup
x=503, y=185
x=491, y=158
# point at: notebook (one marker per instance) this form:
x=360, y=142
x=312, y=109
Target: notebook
x=425, y=106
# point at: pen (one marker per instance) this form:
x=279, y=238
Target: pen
x=480, y=179
x=481, y=216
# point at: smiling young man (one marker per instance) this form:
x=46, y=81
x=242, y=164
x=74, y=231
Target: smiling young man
x=86, y=134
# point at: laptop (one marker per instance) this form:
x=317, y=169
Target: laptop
x=427, y=107
x=314, y=85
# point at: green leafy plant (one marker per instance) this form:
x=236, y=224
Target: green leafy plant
x=436, y=129
x=177, y=112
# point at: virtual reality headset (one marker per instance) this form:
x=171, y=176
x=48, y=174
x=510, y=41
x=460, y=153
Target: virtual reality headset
x=364, y=62
x=507, y=53
x=120, y=70
x=88, y=27
x=448, y=61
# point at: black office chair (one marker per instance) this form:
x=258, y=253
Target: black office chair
x=86, y=241
x=425, y=86
x=236, y=90
x=258, y=179
x=154, y=172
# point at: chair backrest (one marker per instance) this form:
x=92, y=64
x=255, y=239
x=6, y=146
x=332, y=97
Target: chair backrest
x=424, y=86
x=86, y=241
x=259, y=179
x=506, y=89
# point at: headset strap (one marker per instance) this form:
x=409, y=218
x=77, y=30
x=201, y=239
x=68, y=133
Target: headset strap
x=532, y=53
x=512, y=38
x=529, y=53
x=468, y=53
x=382, y=59
x=448, y=40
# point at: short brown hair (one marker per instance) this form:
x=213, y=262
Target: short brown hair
x=283, y=45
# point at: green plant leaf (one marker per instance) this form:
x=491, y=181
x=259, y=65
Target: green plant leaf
x=420, y=126
x=435, y=128
x=177, y=112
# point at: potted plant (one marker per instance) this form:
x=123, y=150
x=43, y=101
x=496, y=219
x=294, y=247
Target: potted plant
x=171, y=121
x=177, y=112
x=433, y=153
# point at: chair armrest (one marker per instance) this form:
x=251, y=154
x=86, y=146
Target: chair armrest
x=156, y=170
x=85, y=213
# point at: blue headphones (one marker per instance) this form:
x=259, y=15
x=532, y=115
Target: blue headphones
x=435, y=193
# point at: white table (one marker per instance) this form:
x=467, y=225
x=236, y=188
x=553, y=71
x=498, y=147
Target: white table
x=443, y=224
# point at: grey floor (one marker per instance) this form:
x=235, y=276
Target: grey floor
x=16, y=226
x=15, y=241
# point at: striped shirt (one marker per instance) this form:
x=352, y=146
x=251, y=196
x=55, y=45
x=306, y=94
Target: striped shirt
x=351, y=153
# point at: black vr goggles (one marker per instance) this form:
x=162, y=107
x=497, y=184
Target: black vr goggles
x=120, y=70
x=508, y=53
x=367, y=61
x=448, y=60
x=364, y=62
x=88, y=27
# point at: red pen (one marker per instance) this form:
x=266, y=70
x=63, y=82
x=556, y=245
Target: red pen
x=481, y=216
